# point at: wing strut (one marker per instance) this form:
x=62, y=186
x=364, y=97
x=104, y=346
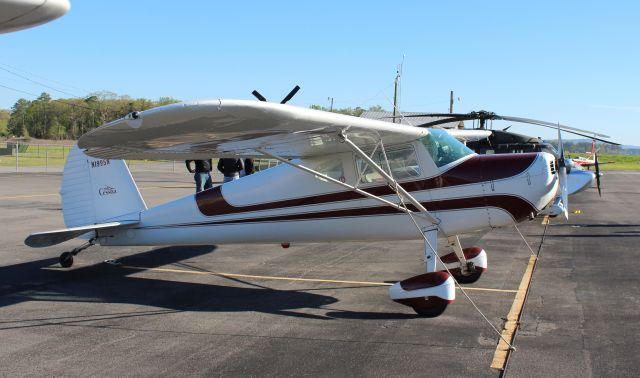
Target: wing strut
x=324, y=177
x=390, y=180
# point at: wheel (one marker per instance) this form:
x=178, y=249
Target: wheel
x=468, y=279
x=66, y=259
x=430, y=307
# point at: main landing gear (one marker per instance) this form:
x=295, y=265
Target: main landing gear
x=466, y=265
x=66, y=258
x=430, y=293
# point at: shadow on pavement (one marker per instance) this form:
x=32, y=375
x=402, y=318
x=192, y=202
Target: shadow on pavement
x=105, y=283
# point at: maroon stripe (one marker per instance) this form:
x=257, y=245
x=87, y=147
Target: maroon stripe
x=424, y=281
x=519, y=209
x=475, y=170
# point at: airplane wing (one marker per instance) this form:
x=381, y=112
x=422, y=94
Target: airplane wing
x=231, y=128
x=21, y=14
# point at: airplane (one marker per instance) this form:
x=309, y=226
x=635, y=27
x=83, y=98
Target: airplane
x=22, y=14
x=342, y=178
x=590, y=162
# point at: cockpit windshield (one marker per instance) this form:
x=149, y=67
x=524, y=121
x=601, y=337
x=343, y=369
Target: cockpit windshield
x=444, y=148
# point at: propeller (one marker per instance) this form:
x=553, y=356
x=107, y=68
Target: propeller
x=290, y=95
x=259, y=96
x=562, y=175
x=484, y=115
x=284, y=100
x=595, y=159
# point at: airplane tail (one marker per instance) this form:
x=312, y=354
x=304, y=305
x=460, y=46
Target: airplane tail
x=98, y=191
x=96, y=194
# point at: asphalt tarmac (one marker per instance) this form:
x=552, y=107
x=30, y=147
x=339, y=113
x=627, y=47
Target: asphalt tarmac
x=162, y=311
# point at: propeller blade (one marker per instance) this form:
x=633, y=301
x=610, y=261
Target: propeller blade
x=290, y=95
x=258, y=96
x=562, y=175
x=595, y=158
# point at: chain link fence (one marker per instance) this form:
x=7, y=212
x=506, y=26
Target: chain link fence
x=27, y=157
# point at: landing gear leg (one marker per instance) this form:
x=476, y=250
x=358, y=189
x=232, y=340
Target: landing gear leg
x=66, y=258
x=466, y=265
x=428, y=294
x=430, y=254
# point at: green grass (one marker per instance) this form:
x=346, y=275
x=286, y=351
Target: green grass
x=26, y=161
x=41, y=155
x=36, y=156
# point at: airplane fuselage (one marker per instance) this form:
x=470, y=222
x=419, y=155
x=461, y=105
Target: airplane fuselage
x=284, y=204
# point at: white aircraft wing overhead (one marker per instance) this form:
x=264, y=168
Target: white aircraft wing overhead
x=22, y=14
x=230, y=128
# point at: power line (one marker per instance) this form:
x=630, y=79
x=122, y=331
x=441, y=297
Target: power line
x=39, y=83
x=45, y=78
x=57, y=100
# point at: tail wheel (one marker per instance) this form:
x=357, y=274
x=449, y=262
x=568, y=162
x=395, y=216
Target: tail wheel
x=66, y=259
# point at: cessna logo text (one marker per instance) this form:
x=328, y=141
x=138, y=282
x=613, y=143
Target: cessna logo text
x=99, y=163
x=107, y=190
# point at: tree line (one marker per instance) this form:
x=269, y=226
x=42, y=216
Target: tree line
x=45, y=118
x=69, y=118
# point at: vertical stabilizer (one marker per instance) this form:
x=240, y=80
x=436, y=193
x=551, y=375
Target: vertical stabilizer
x=98, y=191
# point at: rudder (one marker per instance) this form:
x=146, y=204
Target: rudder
x=96, y=191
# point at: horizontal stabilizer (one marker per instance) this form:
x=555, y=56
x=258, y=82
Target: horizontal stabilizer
x=49, y=238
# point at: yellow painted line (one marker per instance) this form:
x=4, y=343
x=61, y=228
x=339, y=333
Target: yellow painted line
x=513, y=318
x=56, y=194
x=28, y=196
x=236, y=275
x=545, y=220
x=466, y=288
x=166, y=187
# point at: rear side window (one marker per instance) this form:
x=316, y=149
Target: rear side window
x=332, y=168
x=402, y=161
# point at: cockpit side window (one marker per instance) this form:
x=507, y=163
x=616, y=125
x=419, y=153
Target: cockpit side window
x=402, y=161
x=444, y=148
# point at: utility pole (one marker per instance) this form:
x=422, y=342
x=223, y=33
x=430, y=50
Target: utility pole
x=331, y=106
x=450, y=102
x=395, y=90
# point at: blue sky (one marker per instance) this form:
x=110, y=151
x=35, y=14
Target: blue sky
x=574, y=62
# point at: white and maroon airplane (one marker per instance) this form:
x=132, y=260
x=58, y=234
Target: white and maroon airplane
x=22, y=14
x=344, y=178
x=588, y=162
